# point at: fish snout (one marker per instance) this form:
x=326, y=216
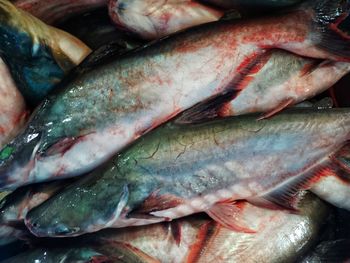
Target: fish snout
x=55, y=230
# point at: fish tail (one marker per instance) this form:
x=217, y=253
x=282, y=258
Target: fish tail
x=330, y=26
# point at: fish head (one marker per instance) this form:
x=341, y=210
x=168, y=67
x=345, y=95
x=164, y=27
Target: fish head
x=17, y=159
x=79, y=209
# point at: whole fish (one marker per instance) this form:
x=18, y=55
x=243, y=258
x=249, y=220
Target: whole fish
x=13, y=111
x=37, y=55
x=96, y=29
x=282, y=237
x=179, y=170
x=154, y=19
x=74, y=131
x=56, y=11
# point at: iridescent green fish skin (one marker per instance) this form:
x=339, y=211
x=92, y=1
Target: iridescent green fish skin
x=183, y=169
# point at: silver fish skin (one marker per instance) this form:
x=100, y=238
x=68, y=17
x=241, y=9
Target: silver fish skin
x=155, y=19
x=13, y=110
x=179, y=170
x=282, y=236
x=73, y=131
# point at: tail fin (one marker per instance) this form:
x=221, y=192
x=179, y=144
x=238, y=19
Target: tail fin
x=331, y=26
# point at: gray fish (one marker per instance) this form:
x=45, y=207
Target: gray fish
x=179, y=170
x=73, y=131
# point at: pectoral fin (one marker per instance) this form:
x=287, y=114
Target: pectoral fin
x=230, y=215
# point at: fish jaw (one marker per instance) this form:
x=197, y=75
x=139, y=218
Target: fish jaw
x=155, y=19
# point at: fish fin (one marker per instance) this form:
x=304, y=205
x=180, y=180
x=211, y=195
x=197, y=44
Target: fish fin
x=61, y=146
x=175, y=228
x=219, y=105
x=284, y=104
x=228, y=214
x=203, y=235
x=100, y=259
x=156, y=202
x=315, y=64
x=342, y=158
x=288, y=195
x=126, y=251
x=331, y=26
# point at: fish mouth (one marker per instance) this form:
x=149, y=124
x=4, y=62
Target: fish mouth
x=57, y=230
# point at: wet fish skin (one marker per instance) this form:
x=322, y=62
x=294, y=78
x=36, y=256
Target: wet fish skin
x=53, y=11
x=74, y=131
x=52, y=255
x=179, y=170
x=37, y=55
x=13, y=111
x=250, y=3
x=15, y=206
x=95, y=29
x=155, y=19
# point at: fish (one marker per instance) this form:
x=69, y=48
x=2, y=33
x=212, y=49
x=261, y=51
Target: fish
x=14, y=112
x=178, y=170
x=54, y=12
x=329, y=251
x=250, y=4
x=74, y=130
x=62, y=255
x=155, y=19
x=38, y=56
x=283, y=80
x=95, y=29
x=15, y=205
x=282, y=236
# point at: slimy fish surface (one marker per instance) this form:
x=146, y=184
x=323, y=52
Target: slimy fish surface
x=73, y=131
x=154, y=19
x=37, y=55
x=13, y=111
x=282, y=237
x=178, y=170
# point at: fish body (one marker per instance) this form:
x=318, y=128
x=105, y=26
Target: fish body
x=73, y=131
x=251, y=4
x=95, y=30
x=53, y=11
x=155, y=19
x=37, y=55
x=54, y=255
x=179, y=170
x=13, y=111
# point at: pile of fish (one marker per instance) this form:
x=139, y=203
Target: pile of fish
x=173, y=131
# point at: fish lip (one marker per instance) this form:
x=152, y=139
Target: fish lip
x=35, y=230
